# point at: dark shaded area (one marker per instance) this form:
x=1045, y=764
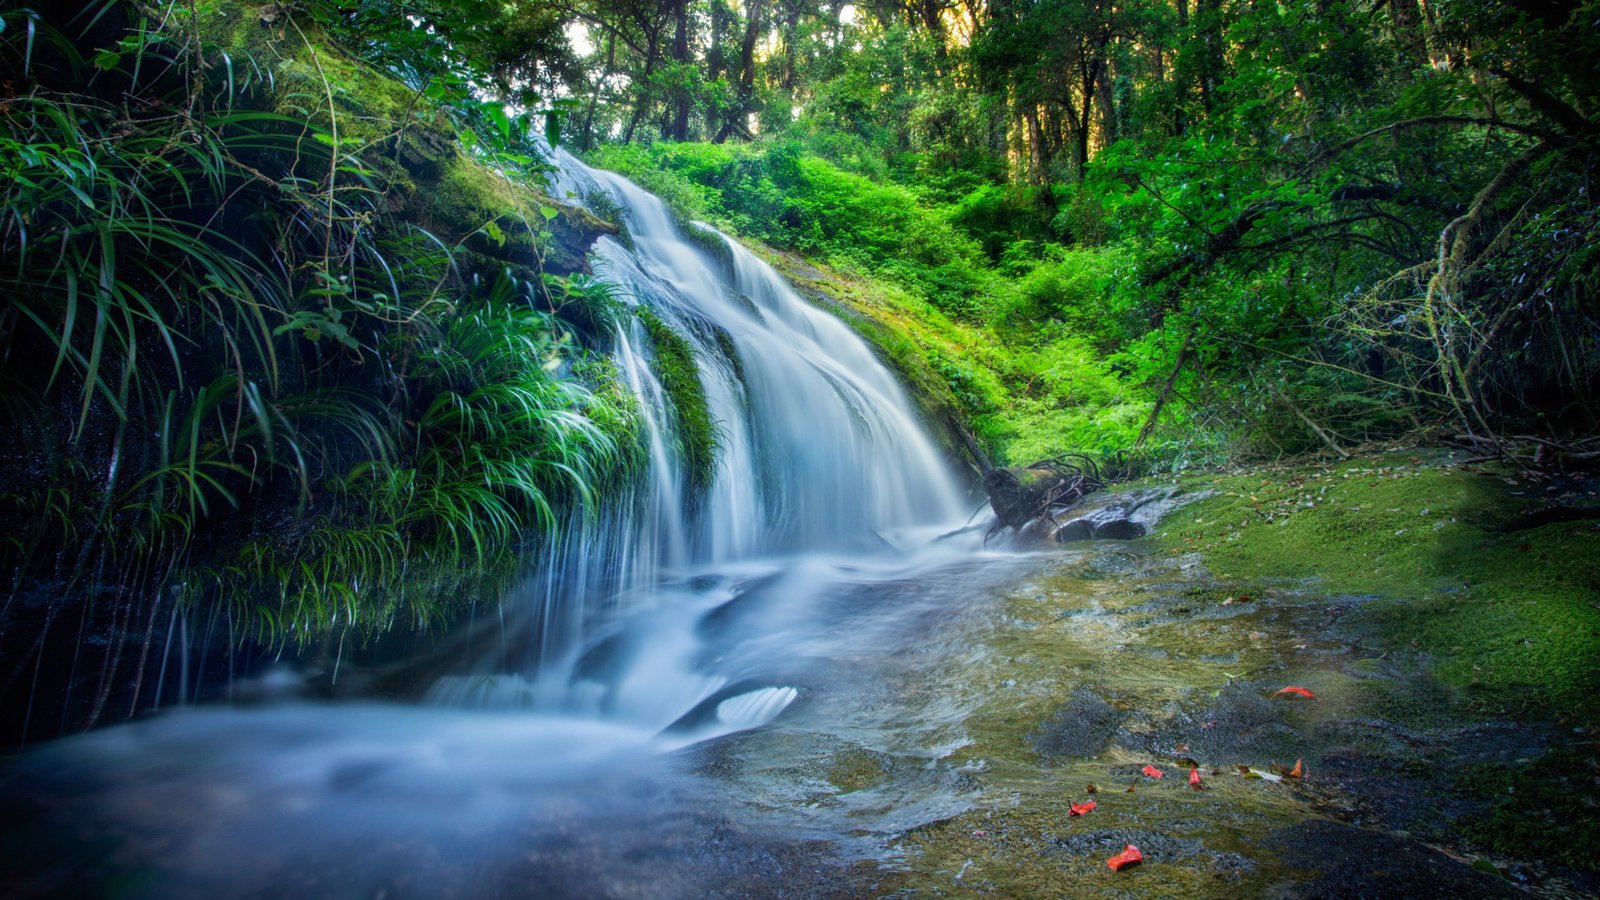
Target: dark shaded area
x=1351, y=862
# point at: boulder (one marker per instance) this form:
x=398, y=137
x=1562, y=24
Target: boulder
x=1117, y=517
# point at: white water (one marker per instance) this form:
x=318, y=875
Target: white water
x=795, y=594
x=822, y=469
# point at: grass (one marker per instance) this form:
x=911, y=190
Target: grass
x=296, y=352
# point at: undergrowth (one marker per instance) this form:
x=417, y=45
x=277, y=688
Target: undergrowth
x=240, y=374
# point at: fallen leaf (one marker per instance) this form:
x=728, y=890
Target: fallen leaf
x=1264, y=776
x=1299, y=769
x=1079, y=809
x=1297, y=691
x=1243, y=769
x=1186, y=762
x=1153, y=772
x=1129, y=790
x=1093, y=790
x=1194, y=780
x=1129, y=856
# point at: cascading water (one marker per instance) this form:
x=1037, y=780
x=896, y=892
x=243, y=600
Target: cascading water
x=821, y=465
x=798, y=586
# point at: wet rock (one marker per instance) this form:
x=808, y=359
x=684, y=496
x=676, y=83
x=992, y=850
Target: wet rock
x=1241, y=724
x=1119, y=517
x=1354, y=862
x=1081, y=727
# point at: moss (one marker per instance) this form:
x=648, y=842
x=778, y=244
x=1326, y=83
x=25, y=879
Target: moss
x=1541, y=809
x=676, y=366
x=856, y=768
x=1508, y=616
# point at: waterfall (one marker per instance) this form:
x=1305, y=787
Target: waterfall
x=653, y=611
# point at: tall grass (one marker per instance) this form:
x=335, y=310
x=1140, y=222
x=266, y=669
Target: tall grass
x=236, y=376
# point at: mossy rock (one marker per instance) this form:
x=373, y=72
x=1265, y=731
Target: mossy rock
x=678, y=368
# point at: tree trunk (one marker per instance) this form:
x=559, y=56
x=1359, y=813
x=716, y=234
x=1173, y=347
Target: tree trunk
x=642, y=106
x=678, y=128
x=747, y=71
x=586, y=138
x=1409, y=38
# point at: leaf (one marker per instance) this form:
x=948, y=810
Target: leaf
x=1093, y=790
x=1297, y=691
x=1129, y=856
x=1299, y=769
x=549, y=212
x=1194, y=780
x=552, y=128
x=1153, y=772
x=1080, y=809
x=1264, y=776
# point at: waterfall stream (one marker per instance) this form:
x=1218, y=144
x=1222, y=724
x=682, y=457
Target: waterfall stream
x=821, y=468
x=795, y=596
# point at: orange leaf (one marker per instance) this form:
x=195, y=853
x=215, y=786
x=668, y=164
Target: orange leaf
x=1129, y=856
x=1297, y=690
x=1299, y=769
x=1153, y=772
x=1194, y=779
x=1079, y=809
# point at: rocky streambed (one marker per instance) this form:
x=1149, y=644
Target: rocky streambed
x=1440, y=641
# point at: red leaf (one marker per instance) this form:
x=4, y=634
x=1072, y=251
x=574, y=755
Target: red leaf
x=1153, y=772
x=1297, y=690
x=1299, y=769
x=1079, y=809
x=1130, y=855
x=1194, y=780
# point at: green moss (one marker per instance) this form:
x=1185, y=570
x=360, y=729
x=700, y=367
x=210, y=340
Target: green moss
x=1507, y=615
x=1542, y=809
x=855, y=768
x=679, y=372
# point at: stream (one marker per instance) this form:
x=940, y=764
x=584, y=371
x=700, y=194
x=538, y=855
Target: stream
x=777, y=682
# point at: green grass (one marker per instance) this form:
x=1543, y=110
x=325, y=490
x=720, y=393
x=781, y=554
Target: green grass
x=303, y=353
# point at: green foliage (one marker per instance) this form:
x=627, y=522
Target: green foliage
x=235, y=370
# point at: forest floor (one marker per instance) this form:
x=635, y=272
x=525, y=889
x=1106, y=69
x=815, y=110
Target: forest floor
x=1443, y=621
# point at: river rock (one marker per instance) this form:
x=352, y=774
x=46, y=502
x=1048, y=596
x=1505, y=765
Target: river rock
x=1118, y=516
